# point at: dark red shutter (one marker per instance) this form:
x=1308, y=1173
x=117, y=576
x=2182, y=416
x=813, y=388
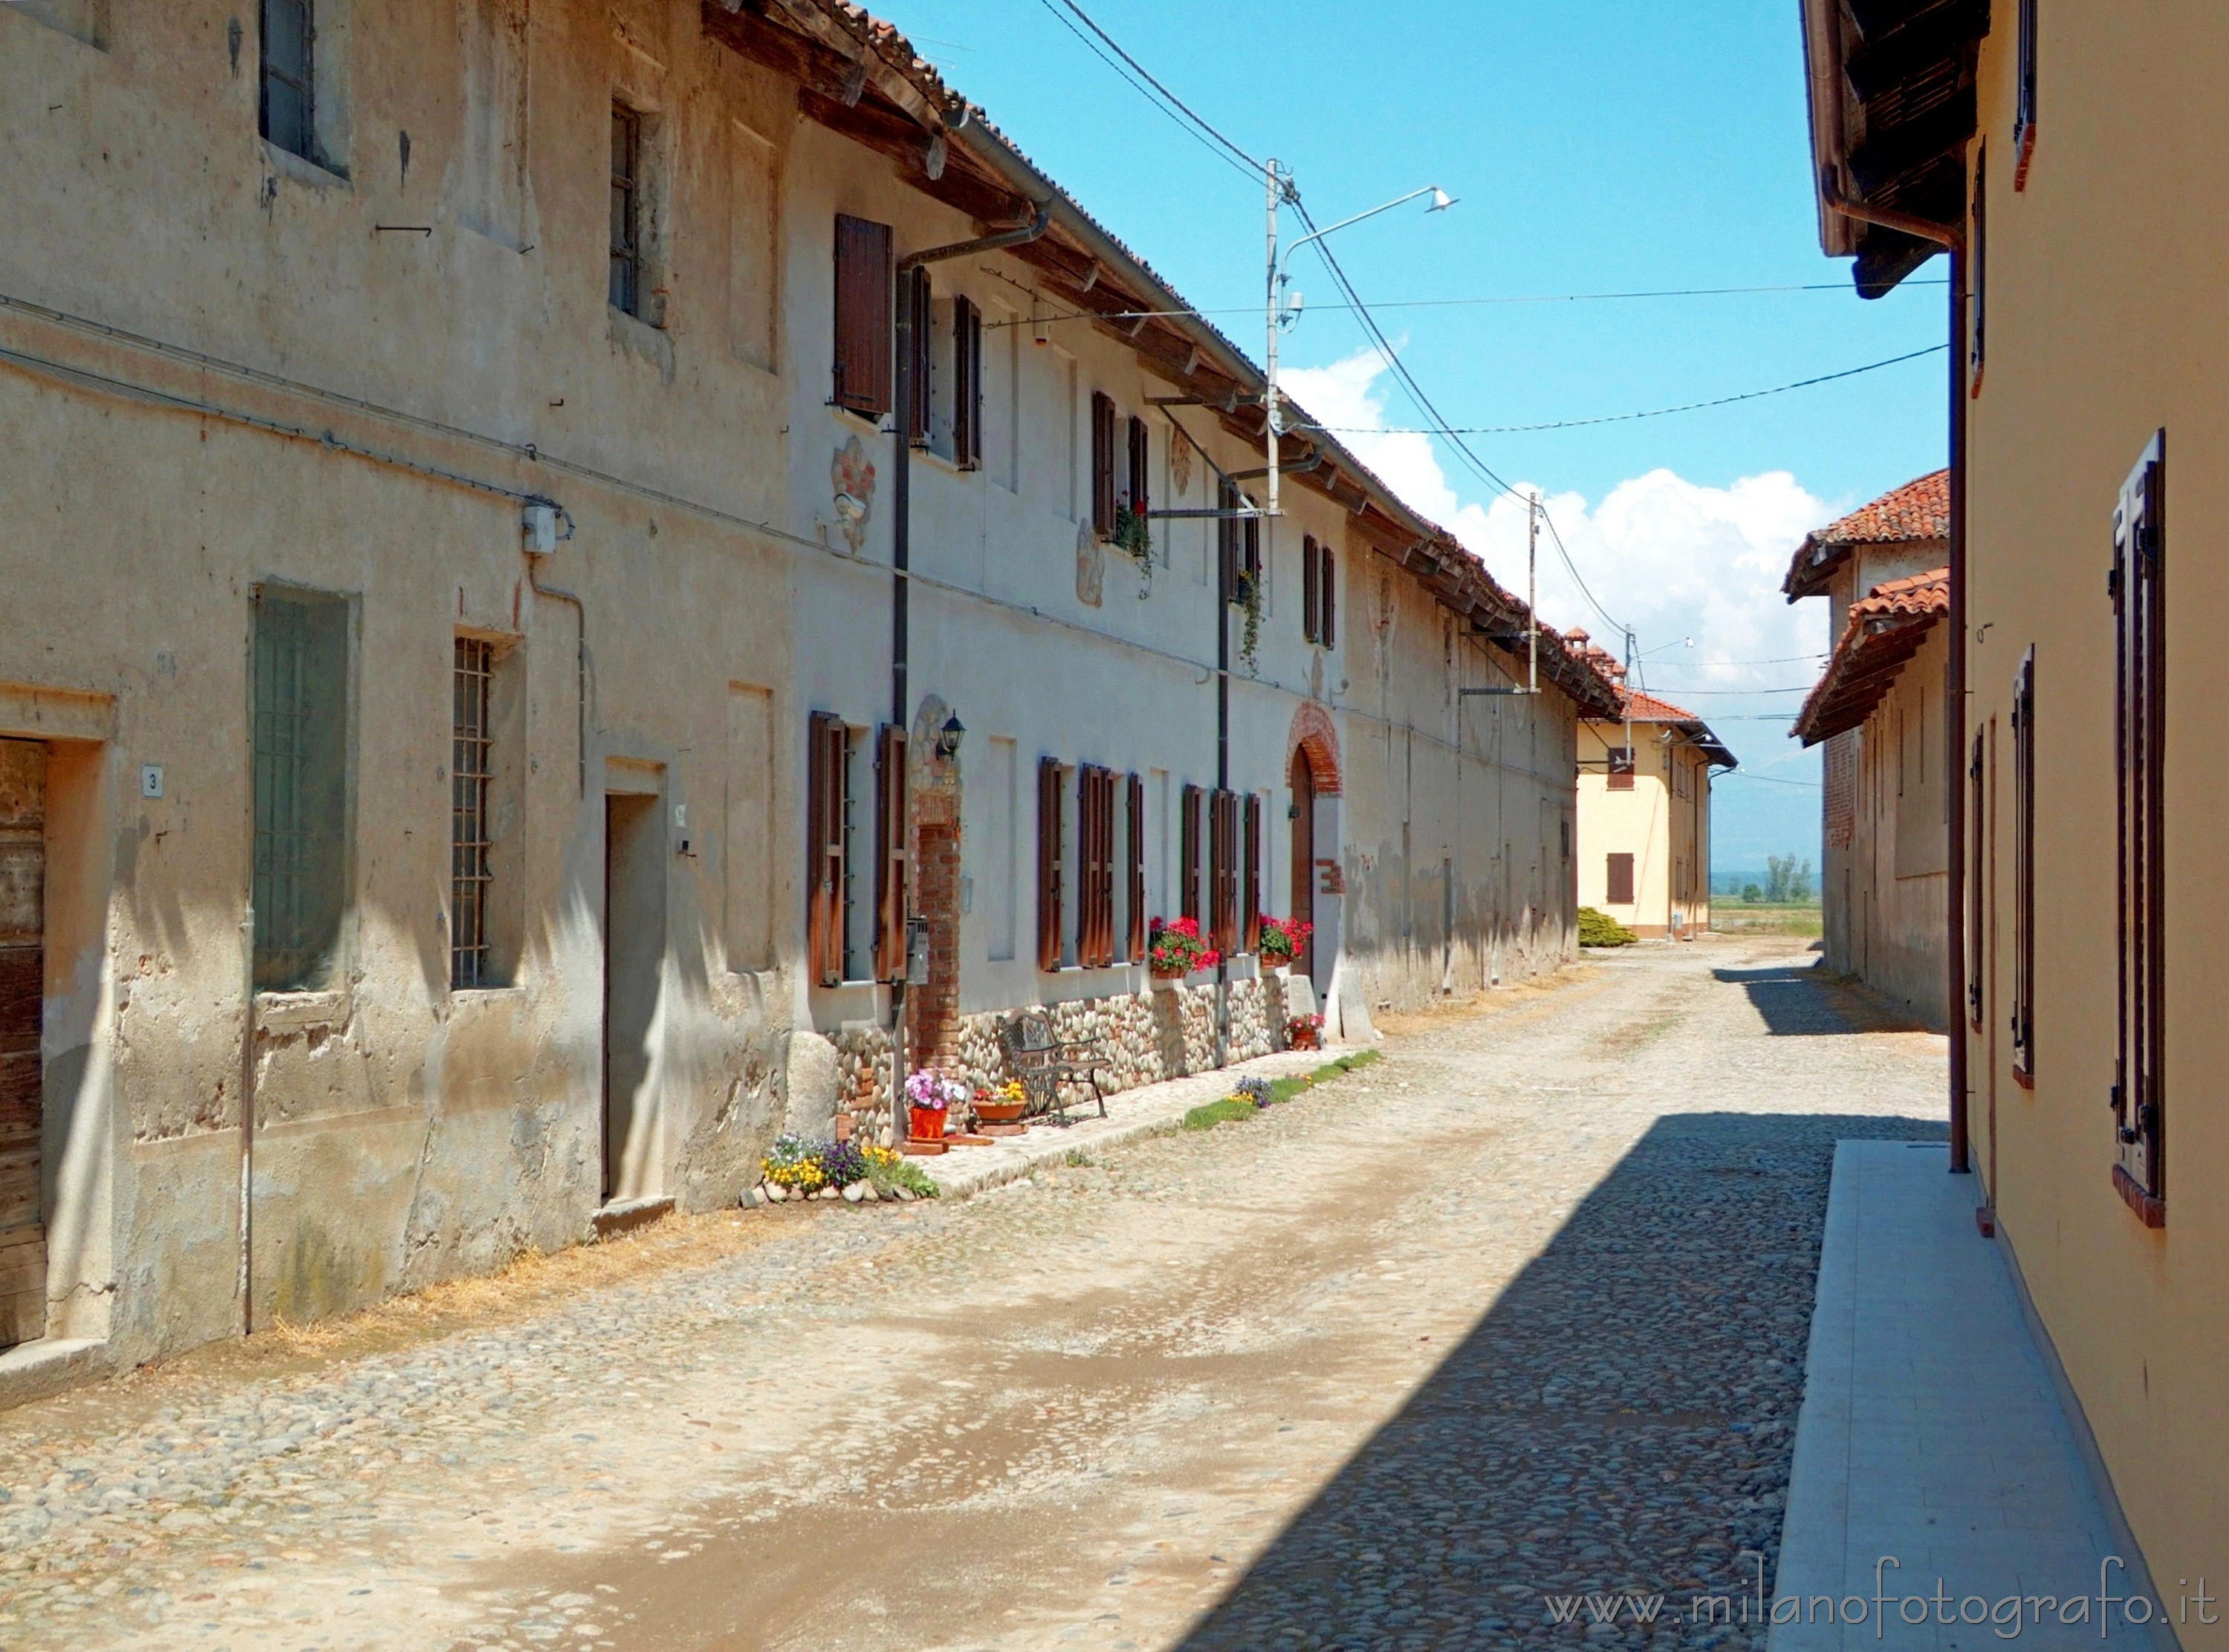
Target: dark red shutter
x=1102, y=463
x=2139, y=587
x=1223, y=870
x=1188, y=856
x=967, y=384
x=1620, y=880
x=1977, y=875
x=1135, y=893
x=1310, y=598
x=920, y=302
x=891, y=816
x=824, y=848
x=1326, y=598
x=1048, y=878
x=863, y=316
x=1253, y=907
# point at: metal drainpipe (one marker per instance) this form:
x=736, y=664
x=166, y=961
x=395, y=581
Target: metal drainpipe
x=579, y=665
x=902, y=546
x=1953, y=240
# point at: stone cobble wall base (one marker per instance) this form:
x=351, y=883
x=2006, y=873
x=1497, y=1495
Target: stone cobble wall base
x=1146, y=1037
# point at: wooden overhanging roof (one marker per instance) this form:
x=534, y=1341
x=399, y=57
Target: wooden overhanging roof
x=1641, y=707
x=1885, y=628
x=1891, y=97
x=1917, y=514
x=858, y=76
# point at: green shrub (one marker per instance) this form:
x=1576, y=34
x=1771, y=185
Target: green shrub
x=1219, y=1113
x=1600, y=929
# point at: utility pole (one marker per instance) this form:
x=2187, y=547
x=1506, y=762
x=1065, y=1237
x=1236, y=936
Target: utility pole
x=1532, y=593
x=1270, y=402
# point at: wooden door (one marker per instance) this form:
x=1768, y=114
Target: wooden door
x=23, y=986
x=1304, y=856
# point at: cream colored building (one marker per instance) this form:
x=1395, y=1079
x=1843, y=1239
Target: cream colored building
x=2088, y=582
x=1645, y=814
x=1878, y=711
x=466, y=768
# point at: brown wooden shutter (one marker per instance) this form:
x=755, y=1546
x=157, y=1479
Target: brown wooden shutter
x=1102, y=463
x=1188, y=856
x=1252, y=909
x=920, y=302
x=967, y=384
x=1048, y=879
x=824, y=848
x=1977, y=274
x=891, y=819
x=1620, y=880
x=1326, y=598
x=1135, y=857
x=2139, y=590
x=1226, y=538
x=1311, y=597
x=1141, y=469
x=1223, y=870
x=24, y=925
x=1088, y=828
x=1106, y=868
x=2024, y=111
x=863, y=316
x=1978, y=872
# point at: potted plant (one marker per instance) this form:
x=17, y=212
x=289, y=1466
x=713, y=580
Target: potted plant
x=1304, y=1032
x=1173, y=950
x=929, y=1095
x=1002, y=1104
x=1282, y=938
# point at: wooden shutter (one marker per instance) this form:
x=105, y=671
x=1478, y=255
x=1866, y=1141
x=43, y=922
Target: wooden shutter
x=1223, y=870
x=1135, y=951
x=2023, y=1017
x=1620, y=880
x=1188, y=856
x=22, y=987
x=920, y=306
x=1102, y=463
x=824, y=849
x=1311, y=597
x=891, y=819
x=1106, y=947
x=2139, y=592
x=1048, y=879
x=1093, y=927
x=1252, y=909
x=1977, y=274
x=967, y=384
x=2024, y=111
x=1326, y=598
x=1141, y=469
x=863, y=316
x=1977, y=871
x=1226, y=538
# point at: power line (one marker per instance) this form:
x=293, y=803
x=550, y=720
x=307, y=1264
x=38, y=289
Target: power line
x=1652, y=412
x=1188, y=123
x=1743, y=774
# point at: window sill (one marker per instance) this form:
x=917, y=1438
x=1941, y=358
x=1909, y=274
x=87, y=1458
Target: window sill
x=299, y=169
x=653, y=345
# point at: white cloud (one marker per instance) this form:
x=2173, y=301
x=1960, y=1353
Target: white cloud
x=1672, y=558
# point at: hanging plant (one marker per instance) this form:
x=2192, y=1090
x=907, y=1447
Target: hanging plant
x=1134, y=534
x=1249, y=597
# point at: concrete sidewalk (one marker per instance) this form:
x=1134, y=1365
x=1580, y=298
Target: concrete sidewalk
x=1149, y=1110
x=1934, y=1449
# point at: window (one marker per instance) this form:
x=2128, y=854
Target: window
x=1977, y=870
x=2023, y=1017
x=967, y=384
x=1326, y=598
x=826, y=878
x=287, y=112
x=1223, y=871
x=919, y=305
x=1138, y=497
x=2139, y=590
x=626, y=210
x=1311, y=593
x=2024, y=112
x=1250, y=911
x=1977, y=274
x=470, y=772
x=1620, y=880
x=891, y=855
x=1049, y=867
x=1621, y=768
x=862, y=357
x=1238, y=540
x=1133, y=878
x=1102, y=465
x=300, y=752
x=1095, y=895
x=1188, y=847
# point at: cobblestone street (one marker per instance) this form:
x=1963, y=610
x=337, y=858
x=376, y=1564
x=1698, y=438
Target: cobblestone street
x=1517, y=1313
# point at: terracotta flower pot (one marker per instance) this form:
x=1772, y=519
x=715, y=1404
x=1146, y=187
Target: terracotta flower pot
x=926, y=1123
x=999, y=1113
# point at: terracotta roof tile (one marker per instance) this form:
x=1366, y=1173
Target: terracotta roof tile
x=1885, y=628
x=1917, y=513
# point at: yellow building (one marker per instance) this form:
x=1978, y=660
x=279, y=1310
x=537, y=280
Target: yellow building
x=1884, y=822
x=2062, y=156
x=1645, y=814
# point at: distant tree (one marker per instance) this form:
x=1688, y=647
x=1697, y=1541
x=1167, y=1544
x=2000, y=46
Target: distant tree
x=1751, y=893
x=1800, y=887
x=1779, y=874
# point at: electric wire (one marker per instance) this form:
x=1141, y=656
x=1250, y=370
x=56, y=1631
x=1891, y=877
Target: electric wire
x=1167, y=101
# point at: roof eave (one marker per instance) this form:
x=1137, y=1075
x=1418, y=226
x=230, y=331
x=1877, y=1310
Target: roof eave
x=1823, y=86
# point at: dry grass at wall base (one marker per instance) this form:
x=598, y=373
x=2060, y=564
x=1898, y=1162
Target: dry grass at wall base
x=1232, y=1109
x=1736, y=918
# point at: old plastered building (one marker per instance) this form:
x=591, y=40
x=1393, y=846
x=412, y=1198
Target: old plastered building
x=2047, y=145
x=1645, y=811
x=1878, y=709
x=467, y=754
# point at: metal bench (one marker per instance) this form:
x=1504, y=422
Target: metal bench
x=1046, y=1066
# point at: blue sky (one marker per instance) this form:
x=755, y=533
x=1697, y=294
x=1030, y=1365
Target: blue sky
x=1593, y=148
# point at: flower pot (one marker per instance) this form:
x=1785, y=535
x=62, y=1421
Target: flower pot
x=926, y=1123
x=999, y=1113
